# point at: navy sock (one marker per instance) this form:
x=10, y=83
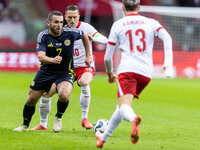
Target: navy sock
x=27, y=114
x=61, y=107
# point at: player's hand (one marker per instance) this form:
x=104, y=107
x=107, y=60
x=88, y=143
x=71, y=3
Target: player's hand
x=112, y=77
x=88, y=61
x=90, y=37
x=168, y=71
x=57, y=60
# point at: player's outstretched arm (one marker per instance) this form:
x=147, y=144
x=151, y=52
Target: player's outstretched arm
x=109, y=63
x=48, y=60
x=99, y=38
x=86, y=43
x=168, y=60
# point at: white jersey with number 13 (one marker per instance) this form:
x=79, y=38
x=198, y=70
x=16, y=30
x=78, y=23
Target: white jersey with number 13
x=135, y=35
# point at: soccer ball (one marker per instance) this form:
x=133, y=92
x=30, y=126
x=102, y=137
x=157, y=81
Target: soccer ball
x=100, y=125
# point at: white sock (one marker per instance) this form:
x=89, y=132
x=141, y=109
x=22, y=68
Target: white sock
x=114, y=122
x=44, y=109
x=85, y=101
x=127, y=112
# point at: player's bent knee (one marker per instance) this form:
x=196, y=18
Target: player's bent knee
x=33, y=97
x=64, y=97
x=47, y=95
x=83, y=84
x=31, y=101
x=85, y=81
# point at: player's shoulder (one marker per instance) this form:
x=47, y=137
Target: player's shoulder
x=117, y=24
x=42, y=34
x=152, y=20
x=85, y=24
x=149, y=19
x=118, y=21
x=86, y=27
x=70, y=29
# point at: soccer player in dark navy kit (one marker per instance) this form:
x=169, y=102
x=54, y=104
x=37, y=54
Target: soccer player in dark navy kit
x=55, y=52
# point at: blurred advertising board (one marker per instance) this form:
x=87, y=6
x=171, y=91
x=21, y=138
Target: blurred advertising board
x=186, y=64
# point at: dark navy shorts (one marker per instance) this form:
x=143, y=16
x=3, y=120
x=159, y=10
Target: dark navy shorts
x=44, y=79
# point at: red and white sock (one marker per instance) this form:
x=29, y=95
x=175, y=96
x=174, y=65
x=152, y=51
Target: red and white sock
x=44, y=109
x=127, y=112
x=85, y=101
x=114, y=122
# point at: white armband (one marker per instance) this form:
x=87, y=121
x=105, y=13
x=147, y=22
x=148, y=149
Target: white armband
x=99, y=38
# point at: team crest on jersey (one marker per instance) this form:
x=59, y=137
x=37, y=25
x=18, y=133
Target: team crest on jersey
x=67, y=42
x=32, y=83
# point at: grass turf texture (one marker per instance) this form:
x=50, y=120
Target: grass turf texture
x=170, y=110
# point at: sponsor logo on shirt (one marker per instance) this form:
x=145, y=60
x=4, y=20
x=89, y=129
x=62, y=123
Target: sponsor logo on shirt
x=50, y=45
x=58, y=44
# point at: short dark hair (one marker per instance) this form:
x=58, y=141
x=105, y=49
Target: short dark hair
x=72, y=8
x=51, y=13
x=131, y=5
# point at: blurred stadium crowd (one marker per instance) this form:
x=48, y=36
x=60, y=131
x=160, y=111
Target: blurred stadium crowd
x=22, y=20
x=17, y=26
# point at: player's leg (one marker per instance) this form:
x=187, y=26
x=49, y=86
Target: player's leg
x=130, y=85
x=125, y=108
x=122, y=112
x=64, y=90
x=29, y=108
x=45, y=108
x=41, y=83
x=129, y=115
x=85, y=98
x=114, y=122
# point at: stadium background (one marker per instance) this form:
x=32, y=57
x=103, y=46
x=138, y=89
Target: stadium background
x=22, y=20
x=169, y=107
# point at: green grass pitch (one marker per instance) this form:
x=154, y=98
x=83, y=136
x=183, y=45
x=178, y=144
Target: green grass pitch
x=170, y=109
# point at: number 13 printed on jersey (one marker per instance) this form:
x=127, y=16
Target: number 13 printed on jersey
x=142, y=40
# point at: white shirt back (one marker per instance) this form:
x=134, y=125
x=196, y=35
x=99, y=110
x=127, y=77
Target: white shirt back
x=79, y=50
x=135, y=35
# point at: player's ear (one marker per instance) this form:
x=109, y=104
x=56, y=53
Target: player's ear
x=48, y=22
x=65, y=17
x=138, y=8
x=123, y=8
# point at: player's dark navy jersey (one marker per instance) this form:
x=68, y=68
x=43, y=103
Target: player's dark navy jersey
x=59, y=46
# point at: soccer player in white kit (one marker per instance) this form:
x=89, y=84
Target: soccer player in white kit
x=135, y=35
x=84, y=74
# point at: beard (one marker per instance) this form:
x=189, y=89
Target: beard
x=54, y=30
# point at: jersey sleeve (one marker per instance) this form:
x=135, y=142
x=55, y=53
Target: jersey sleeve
x=113, y=38
x=96, y=36
x=78, y=34
x=91, y=30
x=112, y=41
x=162, y=34
x=157, y=27
x=41, y=44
